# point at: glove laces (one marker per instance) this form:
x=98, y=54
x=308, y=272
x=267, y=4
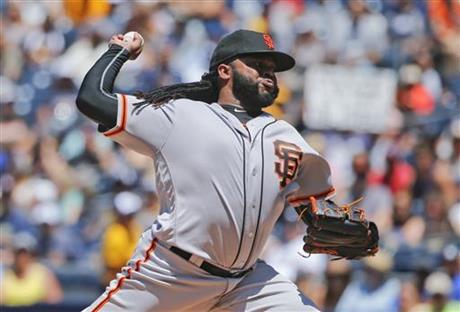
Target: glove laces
x=347, y=207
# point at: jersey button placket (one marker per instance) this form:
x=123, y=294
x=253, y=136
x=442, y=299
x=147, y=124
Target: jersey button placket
x=253, y=198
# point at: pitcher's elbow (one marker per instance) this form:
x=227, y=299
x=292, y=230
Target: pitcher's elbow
x=83, y=103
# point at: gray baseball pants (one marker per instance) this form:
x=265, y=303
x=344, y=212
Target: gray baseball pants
x=157, y=279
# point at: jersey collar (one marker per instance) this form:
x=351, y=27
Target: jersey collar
x=238, y=112
x=253, y=124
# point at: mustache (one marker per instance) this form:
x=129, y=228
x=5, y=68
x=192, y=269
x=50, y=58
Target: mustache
x=271, y=85
x=273, y=93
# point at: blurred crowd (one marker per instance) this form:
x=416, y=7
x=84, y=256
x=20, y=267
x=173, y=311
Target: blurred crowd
x=73, y=203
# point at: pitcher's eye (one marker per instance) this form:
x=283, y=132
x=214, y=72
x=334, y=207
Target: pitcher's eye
x=259, y=66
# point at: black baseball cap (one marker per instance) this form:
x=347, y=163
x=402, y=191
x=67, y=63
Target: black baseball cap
x=247, y=42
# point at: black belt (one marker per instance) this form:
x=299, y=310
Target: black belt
x=208, y=267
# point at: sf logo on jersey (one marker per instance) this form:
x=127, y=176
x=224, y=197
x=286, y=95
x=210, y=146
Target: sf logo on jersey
x=289, y=157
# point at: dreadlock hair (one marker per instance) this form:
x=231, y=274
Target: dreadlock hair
x=205, y=90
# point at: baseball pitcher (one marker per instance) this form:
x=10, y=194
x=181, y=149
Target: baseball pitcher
x=225, y=170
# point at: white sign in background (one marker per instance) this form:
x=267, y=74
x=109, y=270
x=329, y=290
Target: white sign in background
x=349, y=98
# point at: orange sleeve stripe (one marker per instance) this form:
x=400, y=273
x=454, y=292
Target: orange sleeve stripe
x=124, y=118
x=297, y=200
x=151, y=248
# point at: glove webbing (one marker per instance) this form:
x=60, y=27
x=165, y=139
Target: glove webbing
x=345, y=208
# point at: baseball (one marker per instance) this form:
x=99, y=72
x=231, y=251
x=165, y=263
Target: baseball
x=129, y=36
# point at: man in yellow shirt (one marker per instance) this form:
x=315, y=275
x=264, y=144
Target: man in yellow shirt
x=121, y=235
x=23, y=283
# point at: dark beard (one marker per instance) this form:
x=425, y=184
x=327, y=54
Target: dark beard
x=247, y=92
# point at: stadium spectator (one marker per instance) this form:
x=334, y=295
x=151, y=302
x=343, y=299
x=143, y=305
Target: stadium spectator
x=409, y=296
x=122, y=234
x=28, y=282
x=338, y=275
x=438, y=287
x=376, y=291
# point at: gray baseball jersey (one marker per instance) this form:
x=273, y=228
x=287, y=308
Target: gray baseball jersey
x=222, y=184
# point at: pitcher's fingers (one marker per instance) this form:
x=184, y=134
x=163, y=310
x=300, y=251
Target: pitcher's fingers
x=115, y=40
x=138, y=38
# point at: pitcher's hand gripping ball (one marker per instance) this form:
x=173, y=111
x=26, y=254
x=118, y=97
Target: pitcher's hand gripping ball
x=136, y=40
x=132, y=41
x=341, y=231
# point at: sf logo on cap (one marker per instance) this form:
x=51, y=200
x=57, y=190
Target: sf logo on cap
x=269, y=41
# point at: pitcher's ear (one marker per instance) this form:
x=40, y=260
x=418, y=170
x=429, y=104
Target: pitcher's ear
x=224, y=71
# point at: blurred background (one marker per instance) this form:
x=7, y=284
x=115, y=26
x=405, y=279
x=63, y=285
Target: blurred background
x=375, y=90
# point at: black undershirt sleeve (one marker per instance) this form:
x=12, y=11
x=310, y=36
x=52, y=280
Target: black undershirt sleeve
x=95, y=98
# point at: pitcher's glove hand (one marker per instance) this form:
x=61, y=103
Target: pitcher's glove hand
x=341, y=231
